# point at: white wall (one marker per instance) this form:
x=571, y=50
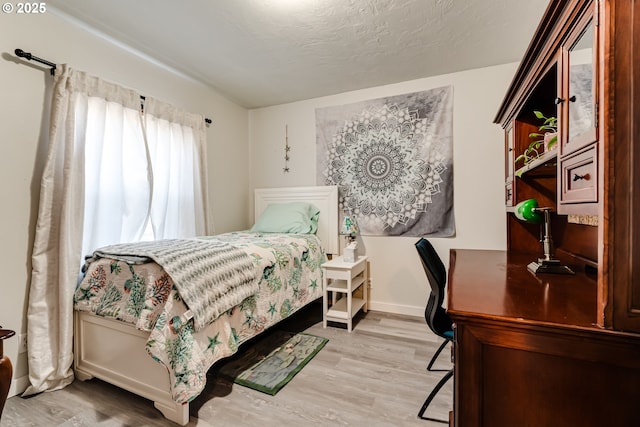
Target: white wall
x=23, y=113
x=398, y=281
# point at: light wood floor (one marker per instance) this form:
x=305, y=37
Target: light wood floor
x=374, y=376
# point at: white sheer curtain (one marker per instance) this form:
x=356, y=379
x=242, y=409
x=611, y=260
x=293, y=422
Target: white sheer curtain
x=177, y=147
x=98, y=189
x=117, y=173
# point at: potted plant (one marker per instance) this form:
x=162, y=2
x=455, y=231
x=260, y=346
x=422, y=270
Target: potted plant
x=545, y=139
x=549, y=129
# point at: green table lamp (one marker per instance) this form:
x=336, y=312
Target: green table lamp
x=528, y=211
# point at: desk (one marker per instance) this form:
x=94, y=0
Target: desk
x=494, y=284
x=527, y=352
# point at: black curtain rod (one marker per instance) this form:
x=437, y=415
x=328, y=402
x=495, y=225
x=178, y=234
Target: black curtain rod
x=22, y=54
x=27, y=55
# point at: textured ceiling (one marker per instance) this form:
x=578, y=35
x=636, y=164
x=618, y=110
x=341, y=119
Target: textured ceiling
x=267, y=52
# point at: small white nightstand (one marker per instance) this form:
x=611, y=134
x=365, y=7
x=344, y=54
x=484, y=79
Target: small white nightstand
x=341, y=277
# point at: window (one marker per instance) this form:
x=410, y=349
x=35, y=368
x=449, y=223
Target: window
x=144, y=173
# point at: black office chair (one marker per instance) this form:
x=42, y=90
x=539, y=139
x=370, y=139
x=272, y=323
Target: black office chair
x=436, y=316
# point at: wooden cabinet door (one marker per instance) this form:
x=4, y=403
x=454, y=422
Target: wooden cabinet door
x=578, y=107
x=578, y=104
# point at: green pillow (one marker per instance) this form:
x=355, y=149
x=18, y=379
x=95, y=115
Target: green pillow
x=293, y=217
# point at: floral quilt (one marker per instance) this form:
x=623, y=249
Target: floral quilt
x=289, y=274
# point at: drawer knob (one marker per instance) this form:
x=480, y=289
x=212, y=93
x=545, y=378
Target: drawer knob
x=577, y=177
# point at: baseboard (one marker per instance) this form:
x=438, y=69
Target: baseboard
x=19, y=385
x=406, y=310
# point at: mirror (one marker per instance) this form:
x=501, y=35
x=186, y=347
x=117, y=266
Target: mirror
x=581, y=98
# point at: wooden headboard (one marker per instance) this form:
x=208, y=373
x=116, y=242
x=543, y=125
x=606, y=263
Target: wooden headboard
x=325, y=198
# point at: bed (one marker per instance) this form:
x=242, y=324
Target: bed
x=133, y=329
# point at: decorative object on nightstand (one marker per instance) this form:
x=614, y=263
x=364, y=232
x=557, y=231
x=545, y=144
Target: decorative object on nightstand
x=342, y=278
x=6, y=370
x=350, y=252
x=528, y=211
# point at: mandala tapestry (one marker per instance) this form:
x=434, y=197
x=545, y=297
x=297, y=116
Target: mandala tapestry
x=392, y=160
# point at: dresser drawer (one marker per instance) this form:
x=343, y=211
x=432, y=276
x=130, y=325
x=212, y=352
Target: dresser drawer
x=579, y=177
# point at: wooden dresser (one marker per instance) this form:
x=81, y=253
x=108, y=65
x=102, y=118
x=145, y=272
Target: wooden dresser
x=550, y=349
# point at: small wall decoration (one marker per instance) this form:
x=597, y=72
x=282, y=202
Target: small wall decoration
x=392, y=159
x=286, y=169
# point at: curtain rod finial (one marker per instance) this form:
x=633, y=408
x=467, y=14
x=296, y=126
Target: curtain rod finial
x=22, y=54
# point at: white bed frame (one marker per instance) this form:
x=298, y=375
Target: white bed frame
x=115, y=352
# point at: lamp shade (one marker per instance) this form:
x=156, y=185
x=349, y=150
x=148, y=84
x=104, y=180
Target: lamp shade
x=350, y=226
x=526, y=211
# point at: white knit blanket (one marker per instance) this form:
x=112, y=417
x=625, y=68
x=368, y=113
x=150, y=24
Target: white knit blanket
x=211, y=276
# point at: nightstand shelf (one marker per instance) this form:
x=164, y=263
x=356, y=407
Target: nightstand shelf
x=342, y=279
x=339, y=309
